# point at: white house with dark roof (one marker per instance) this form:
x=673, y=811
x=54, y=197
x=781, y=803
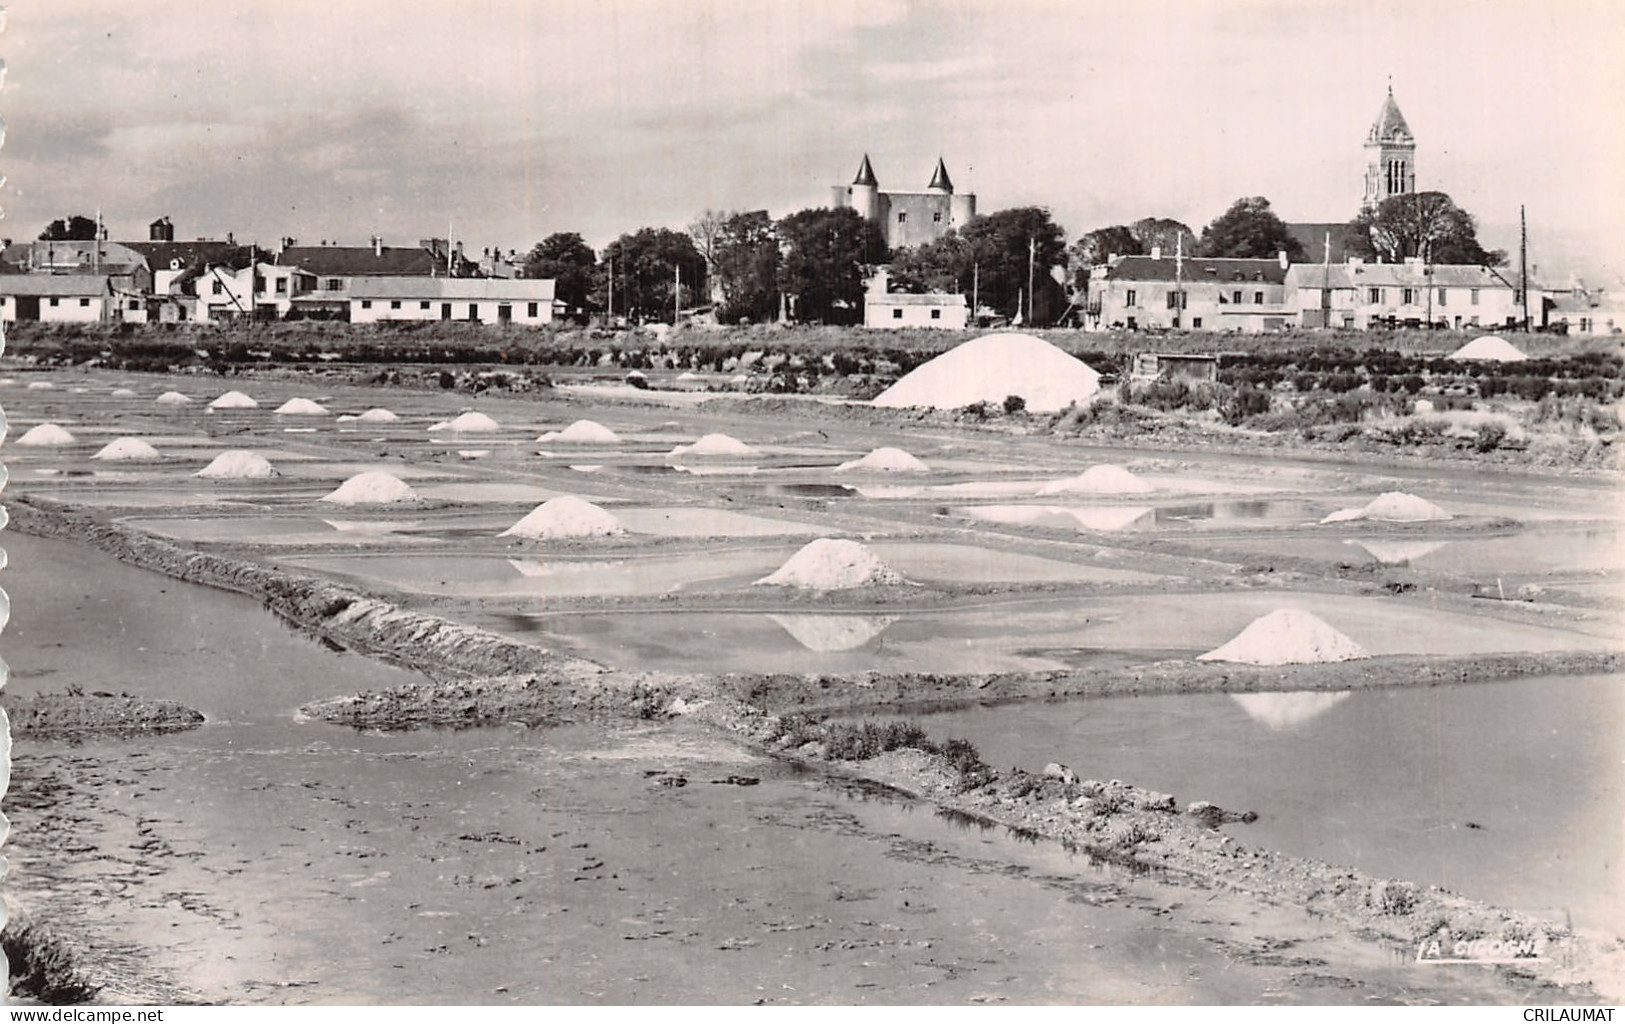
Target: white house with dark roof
x=57, y=298
x=1410, y=294
x=1162, y=292
x=529, y=302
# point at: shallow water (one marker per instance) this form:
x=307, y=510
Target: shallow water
x=1548, y=549
x=1136, y=514
x=1383, y=780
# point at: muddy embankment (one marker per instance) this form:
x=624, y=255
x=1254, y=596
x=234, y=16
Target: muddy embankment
x=481, y=678
x=58, y=715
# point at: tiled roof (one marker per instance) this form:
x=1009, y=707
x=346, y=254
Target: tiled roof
x=1345, y=275
x=53, y=284
x=500, y=289
x=910, y=299
x=160, y=255
x=1195, y=268
x=360, y=260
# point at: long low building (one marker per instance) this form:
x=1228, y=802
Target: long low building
x=529, y=302
x=56, y=298
x=1409, y=294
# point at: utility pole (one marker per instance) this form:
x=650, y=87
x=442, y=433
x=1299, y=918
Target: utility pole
x=975, y=290
x=676, y=293
x=609, y=319
x=1523, y=264
x=1032, y=248
x=1179, y=278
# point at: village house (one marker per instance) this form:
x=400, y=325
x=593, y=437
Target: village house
x=883, y=308
x=471, y=299
x=126, y=268
x=57, y=298
x=1365, y=295
x=1586, y=311
x=1157, y=292
x=333, y=267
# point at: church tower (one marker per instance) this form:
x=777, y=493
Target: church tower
x=1390, y=155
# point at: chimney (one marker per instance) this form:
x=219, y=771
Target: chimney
x=1280, y=257
x=230, y=238
x=377, y=245
x=1156, y=252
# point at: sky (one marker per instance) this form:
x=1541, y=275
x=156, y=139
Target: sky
x=506, y=121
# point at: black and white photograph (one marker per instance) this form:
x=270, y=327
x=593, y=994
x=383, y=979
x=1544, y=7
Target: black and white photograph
x=926, y=503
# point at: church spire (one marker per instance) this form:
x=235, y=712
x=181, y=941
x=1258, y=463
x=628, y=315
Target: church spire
x=866, y=173
x=940, y=181
x=1390, y=124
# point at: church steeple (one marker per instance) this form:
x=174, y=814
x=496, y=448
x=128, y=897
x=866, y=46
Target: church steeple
x=940, y=181
x=1390, y=155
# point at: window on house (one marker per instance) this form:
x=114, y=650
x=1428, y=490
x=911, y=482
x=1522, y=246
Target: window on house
x=1133, y=324
x=219, y=289
x=55, y=302
x=1374, y=296
x=902, y=218
x=424, y=304
x=259, y=282
x=84, y=302
x=936, y=314
x=1475, y=296
x=1196, y=322
x=1177, y=300
x=282, y=286
x=1258, y=298
x=1408, y=296
x=1132, y=299
x=394, y=303
x=1443, y=294
x=936, y=218
x=897, y=314
x=333, y=284
x=1235, y=297
x=531, y=310
x=366, y=303
x=134, y=304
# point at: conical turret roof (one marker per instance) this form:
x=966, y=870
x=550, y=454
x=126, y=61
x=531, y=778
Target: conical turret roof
x=866, y=174
x=1390, y=123
x=940, y=179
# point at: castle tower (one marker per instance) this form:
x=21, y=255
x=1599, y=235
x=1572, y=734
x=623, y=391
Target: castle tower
x=866, y=191
x=940, y=182
x=1390, y=155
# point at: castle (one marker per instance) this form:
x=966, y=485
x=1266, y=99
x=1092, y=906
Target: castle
x=907, y=218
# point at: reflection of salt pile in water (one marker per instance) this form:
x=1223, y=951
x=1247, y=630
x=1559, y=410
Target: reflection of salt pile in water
x=1488, y=349
x=238, y=464
x=992, y=368
x=234, y=400
x=1392, y=507
x=127, y=449
x=172, y=398
x=533, y=570
x=468, y=423
x=885, y=460
x=827, y=564
x=301, y=407
x=374, y=487
x=1105, y=479
x=122, y=393
x=40, y=385
x=1395, y=552
x=582, y=432
x=1287, y=636
x=830, y=634
x=565, y=517
x=1108, y=518
x=1285, y=710
x=716, y=446
x=46, y=435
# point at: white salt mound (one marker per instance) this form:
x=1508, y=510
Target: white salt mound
x=1105, y=479
x=991, y=368
x=469, y=423
x=565, y=517
x=301, y=407
x=1392, y=507
x=127, y=449
x=1489, y=349
x=122, y=393
x=46, y=435
x=238, y=464
x=374, y=487
x=885, y=460
x=40, y=385
x=172, y=398
x=716, y=446
x=233, y=400
x=827, y=564
x=582, y=432
x=378, y=416
x=1287, y=636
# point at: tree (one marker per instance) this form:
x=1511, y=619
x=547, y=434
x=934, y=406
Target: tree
x=705, y=232
x=77, y=228
x=938, y=266
x=745, y=265
x=1249, y=230
x=568, y=261
x=645, y=266
x=825, y=255
x=1095, y=248
x=1425, y=224
x=1163, y=233
x=1000, y=245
